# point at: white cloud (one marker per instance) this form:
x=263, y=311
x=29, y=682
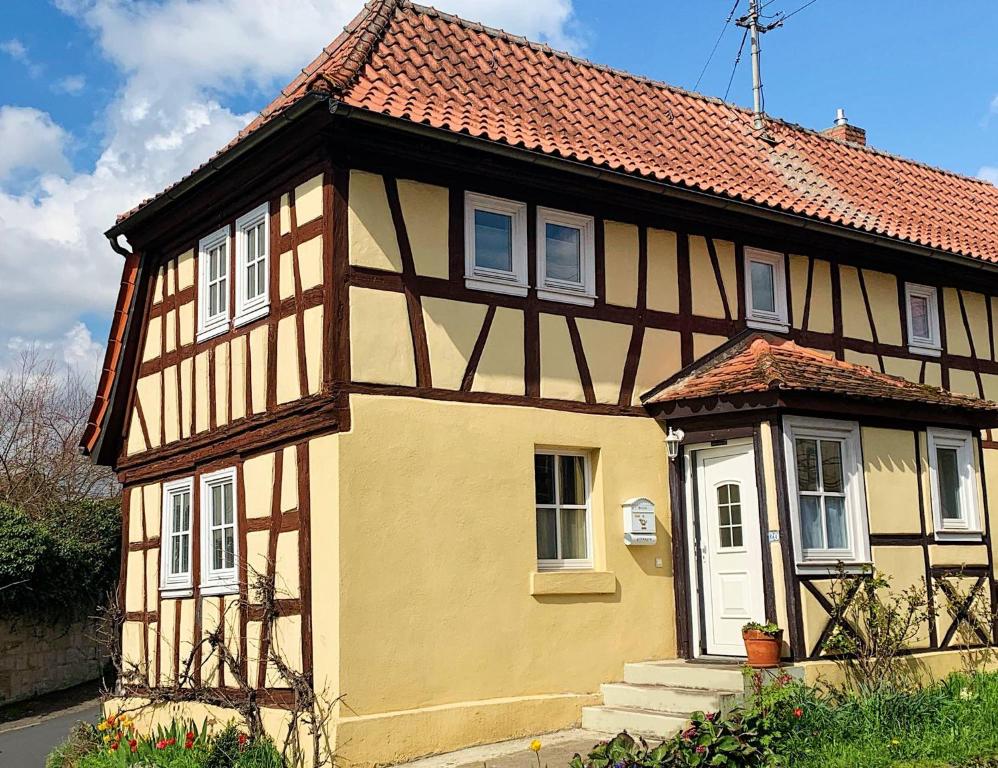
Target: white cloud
x=15, y=49
x=180, y=59
x=30, y=141
x=73, y=84
x=989, y=173
x=994, y=105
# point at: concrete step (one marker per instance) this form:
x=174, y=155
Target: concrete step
x=683, y=674
x=668, y=699
x=638, y=722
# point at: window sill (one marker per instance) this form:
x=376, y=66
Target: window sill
x=572, y=583
x=969, y=536
x=214, y=590
x=170, y=593
x=210, y=333
x=496, y=286
x=831, y=569
x=767, y=325
x=566, y=297
x=250, y=315
x=917, y=349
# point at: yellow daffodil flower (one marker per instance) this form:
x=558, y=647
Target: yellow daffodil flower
x=535, y=745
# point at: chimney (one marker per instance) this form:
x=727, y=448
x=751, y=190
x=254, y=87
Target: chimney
x=845, y=132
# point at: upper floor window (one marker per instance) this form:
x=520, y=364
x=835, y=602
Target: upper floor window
x=566, y=257
x=219, y=547
x=252, y=265
x=561, y=493
x=923, y=319
x=765, y=290
x=827, y=496
x=213, y=284
x=175, y=542
x=495, y=244
x=953, y=482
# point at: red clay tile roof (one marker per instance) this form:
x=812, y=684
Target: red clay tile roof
x=418, y=64
x=762, y=362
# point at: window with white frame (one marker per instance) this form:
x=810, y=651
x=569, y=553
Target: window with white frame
x=213, y=284
x=953, y=482
x=923, y=319
x=175, y=542
x=827, y=495
x=219, y=535
x=566, y=257
x=252, y=265
x=564, y=521
x=495, y=244
x=765, y=290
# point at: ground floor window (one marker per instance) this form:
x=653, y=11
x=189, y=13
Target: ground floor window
x=175, y=569
x=953, y=481
x=218, y=532
x=561, y=493
x=827, y=497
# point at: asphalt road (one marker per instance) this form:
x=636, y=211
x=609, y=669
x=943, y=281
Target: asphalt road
x=26, y=743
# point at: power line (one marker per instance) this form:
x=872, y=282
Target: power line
x=738, y=58
x=717, y=42
x=784, y=16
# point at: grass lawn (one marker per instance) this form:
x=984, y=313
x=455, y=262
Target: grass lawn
x=951, y=724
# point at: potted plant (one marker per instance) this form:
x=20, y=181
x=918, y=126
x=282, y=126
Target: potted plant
x=762, y=644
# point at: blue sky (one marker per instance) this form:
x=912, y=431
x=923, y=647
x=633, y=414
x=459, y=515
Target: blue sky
x=103, y=102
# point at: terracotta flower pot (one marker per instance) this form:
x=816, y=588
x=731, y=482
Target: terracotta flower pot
x=763, y=650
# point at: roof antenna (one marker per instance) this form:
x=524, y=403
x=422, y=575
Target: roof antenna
x=751, y=22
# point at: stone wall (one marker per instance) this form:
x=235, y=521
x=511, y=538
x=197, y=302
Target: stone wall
x=38, y=657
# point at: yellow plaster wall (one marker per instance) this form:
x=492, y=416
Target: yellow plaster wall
x=258, y=356
x=186, y=311
x=185, y=269
x=452, y=328
x=766, y=439
x=286, y=276
x=891, y=480
x=467, y=546
x=501, y=367
x=171, y=414
x=237, y=365
x=964, y=382
x=906, y=568
x=201, y=392
x=148, y=393
x=186, y=395
x=883, y=292
x=373, y=242
x=559, y=371
x=621, y=248
x=285, y=214
x=957, y=342
x=380, y=339
x=663, y=279
x=661, y=357
x=705, y=342
x=309, y=264
x=312, y=325
x=855, y=321
x=287, y=360
x=154, y=339
x=425, y=208
x=221, y=393
x=258, y=478
x=308, y=200
x=977, y=317
x=605, y=346
x=706, y=292
x=170, y=326
x=324, y=494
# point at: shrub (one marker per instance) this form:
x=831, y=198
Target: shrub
x=736, y=741
x=115, y=743
x=63, y=563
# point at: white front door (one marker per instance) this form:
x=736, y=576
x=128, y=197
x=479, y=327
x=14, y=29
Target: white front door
x=730, y=546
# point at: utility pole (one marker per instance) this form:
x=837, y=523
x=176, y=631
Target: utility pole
x=751, y=23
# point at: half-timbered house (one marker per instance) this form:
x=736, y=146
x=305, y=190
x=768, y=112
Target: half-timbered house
x=410, y=347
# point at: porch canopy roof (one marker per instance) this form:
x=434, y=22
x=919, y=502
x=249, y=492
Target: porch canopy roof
x=763, y=371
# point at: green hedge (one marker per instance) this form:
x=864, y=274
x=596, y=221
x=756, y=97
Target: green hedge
x=64, y=563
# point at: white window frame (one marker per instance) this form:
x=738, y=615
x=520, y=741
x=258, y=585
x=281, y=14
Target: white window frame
x=221, y=581
x=764, y=319
x=179, y=584
x=572, y=564
x=963, y=442
x=247, y=310
x=514, y=282
x=584, y=291
x=858, y=552
x=219, y=323
x=932, y=345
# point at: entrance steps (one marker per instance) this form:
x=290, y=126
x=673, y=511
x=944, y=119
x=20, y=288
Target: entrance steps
x=657, y=697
